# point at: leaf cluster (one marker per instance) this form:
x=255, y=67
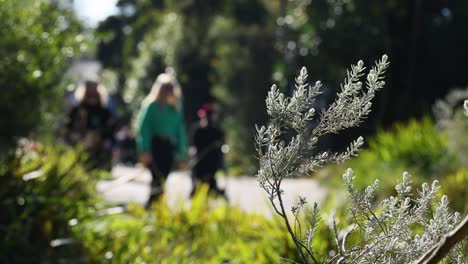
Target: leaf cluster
x=38, y=39
x=42, y=190
x=207, y=231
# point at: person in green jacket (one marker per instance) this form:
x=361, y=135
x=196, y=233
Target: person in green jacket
x=161, y=136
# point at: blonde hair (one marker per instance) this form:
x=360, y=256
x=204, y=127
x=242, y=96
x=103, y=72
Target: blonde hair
x=163, y=81
x=80, y=92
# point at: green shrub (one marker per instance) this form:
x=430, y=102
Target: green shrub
x=47, y=194
x=454, y=185
x=37, y=40
x=41, y=189
x=454, y=130
x=206, y=232
x=417, y=146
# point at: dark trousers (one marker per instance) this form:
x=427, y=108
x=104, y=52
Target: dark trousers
x=206, y=177
x=162, y=152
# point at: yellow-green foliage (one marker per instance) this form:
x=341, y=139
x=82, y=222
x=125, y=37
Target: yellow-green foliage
x=209, y=231
x=416, y=145
x=455, y=186
x=41, y=189
x=37, y=208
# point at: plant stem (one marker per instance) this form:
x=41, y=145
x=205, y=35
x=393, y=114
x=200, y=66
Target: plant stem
x=288, y=226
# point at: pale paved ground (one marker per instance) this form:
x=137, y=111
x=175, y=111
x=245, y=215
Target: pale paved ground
x=132, y=184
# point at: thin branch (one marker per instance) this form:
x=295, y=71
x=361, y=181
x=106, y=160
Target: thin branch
x=288, y=226
x=297, y=223
x=275, y=208
x=382, y=225
x=288, y=260
x=439, y=251
x=272, y=199
x=377, y=241
x=337, y=240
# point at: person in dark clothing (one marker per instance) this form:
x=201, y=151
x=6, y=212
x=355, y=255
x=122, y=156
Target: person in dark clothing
x=161, y=137
x=125, y=148
x=208, y=140
x=90, y=124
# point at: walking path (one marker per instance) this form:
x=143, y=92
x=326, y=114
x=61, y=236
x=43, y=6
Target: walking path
x=132, y=184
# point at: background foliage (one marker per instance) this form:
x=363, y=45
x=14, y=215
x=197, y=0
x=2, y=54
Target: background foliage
x=230, y=51
x=51, y=211
x=37, y=41
x=204, y=232
x=419, y=147
x=41, y=190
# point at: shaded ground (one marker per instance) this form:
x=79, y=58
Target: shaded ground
x=132, y=184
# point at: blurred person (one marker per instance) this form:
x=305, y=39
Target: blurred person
x=124, y=150
x=90, y=124
x=208, y=140
x=161, y=136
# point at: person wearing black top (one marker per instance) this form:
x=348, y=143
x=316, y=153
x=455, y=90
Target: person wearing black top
x=90, y=124
x=208, y=140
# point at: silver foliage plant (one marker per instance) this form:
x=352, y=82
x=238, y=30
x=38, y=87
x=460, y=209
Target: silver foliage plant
x=465, y=106
x=445, y=109
x=449, y=114
x=386, y=231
